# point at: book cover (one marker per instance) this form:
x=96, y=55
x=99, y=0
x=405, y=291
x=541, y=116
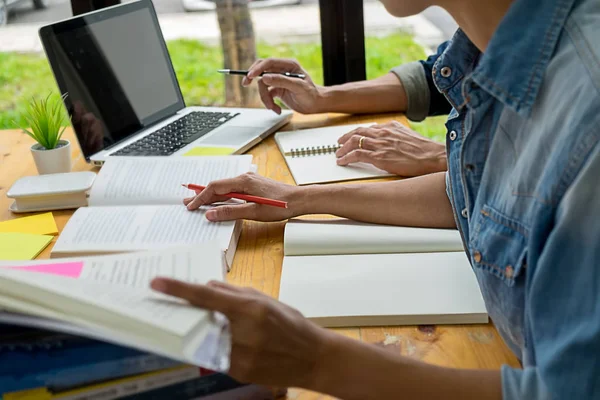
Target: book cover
x=32, y=358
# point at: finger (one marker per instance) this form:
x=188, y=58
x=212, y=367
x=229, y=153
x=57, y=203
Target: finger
x=354, y=143
x=215, y=190
x=188, y=200
x=362, y=131
x=232, y=212
x=202, y=296
x=247, y=81
x=355, y=156
x=273, y=65
x=294, y=85
x=267, y=97
x=225, y=286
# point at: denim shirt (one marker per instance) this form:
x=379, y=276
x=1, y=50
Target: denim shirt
x=524, y=183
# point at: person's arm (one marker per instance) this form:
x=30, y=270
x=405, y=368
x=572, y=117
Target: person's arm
x=379, y=95
x=349, y=370
x=273, y=344
x=408, y=88
x=420, y=201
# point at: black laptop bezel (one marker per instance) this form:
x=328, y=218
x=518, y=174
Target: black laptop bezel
x=46, y=33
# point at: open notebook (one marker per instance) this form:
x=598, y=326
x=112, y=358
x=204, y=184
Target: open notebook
x=310, y=155
x=108, y=298
x=136, y=204
x=340, y=273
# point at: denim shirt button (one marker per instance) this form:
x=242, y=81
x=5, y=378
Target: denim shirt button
x=446, y=72
x=465, y=213
x=509, y=271
x=477, y=256
x=453, y=135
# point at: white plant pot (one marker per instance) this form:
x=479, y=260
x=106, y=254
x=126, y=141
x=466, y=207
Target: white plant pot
x=53, y=161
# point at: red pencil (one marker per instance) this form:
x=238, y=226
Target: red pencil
x=240, y=196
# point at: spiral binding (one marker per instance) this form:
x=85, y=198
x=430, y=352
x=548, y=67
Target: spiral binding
x=314, y=150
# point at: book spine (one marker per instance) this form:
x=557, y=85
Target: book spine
x=63, y=378
x=113, y=390
x=192, y=389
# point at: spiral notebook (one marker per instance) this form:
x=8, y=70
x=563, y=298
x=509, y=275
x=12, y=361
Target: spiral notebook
x=310, y=156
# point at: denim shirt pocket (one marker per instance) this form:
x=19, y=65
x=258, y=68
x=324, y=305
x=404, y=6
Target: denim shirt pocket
x=498, y=245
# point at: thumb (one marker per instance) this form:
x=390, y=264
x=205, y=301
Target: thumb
x=232, y=212
x=279, y=81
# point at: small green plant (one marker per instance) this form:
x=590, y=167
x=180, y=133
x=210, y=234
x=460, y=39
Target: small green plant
x=45, y=120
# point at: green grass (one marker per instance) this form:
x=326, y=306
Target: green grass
x=23, y=76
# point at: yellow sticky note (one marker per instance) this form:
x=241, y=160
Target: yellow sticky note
x=41, y=224
x=22, y=246
x=210, y=151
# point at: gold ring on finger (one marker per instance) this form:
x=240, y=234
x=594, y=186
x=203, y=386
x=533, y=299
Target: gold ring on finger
x=360, y=142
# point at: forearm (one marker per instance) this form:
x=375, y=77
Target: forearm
x=350, y=370
x=420, y=201
x=383, y=94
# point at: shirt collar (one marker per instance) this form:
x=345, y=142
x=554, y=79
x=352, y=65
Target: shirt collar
x=514, y=63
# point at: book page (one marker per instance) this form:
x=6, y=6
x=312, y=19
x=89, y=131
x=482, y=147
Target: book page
x=130, y=228
x=341, y=236
x=158, y=180
x=383, y=289
x=198, y=264
x=98, y=303
x=322, y=168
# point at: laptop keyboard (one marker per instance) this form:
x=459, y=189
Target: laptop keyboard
x=178, y=134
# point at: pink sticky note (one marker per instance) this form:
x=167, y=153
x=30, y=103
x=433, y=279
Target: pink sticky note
x=70, y=269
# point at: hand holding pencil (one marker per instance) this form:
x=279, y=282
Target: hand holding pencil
x=268, y=200
x=241, y=196
x=280, y=78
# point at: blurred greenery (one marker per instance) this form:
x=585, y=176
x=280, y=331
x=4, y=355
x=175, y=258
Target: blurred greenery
x=23, y=76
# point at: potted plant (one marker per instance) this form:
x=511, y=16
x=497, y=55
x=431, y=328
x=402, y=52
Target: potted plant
x=45, y=124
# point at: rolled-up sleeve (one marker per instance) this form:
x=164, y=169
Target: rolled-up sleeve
x=562, y=309
x=422, y=95
x=412, y=76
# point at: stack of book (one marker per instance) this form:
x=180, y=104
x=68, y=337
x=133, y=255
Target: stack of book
x=39, y=364
x=109, y=336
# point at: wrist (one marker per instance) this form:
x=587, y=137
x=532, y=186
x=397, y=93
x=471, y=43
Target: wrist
x=437, y=159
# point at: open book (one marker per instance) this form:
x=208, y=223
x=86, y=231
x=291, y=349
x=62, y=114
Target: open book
x=136, y=204
x=310, y=155
x=109, y=298
x=342, y=273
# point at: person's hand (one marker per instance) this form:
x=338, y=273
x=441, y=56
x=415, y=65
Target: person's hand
x=301, y=95
x=253, y=184
x=394, y=148
x=272, y=344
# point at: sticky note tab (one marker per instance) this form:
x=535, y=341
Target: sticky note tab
x=70, y=269
x=209, y=151
x=41, y=224
x=22, y=246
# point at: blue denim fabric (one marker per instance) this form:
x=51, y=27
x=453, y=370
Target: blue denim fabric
x=524, y=174
x=438, y=105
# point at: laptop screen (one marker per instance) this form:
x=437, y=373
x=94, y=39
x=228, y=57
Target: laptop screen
x=116, y=70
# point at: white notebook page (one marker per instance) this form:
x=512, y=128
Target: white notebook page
x=341, y=236
x=322, y=168
x=157, y=180
x=382, y=289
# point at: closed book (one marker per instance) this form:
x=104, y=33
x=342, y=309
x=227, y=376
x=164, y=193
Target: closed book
x=37, y=358
x=112, y=390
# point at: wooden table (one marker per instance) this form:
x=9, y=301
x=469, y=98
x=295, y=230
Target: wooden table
x=260, y=254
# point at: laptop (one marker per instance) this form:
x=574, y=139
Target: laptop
x=123, y=95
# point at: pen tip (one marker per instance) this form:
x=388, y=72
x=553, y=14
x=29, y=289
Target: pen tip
x=223, y=71
x=184, y=185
